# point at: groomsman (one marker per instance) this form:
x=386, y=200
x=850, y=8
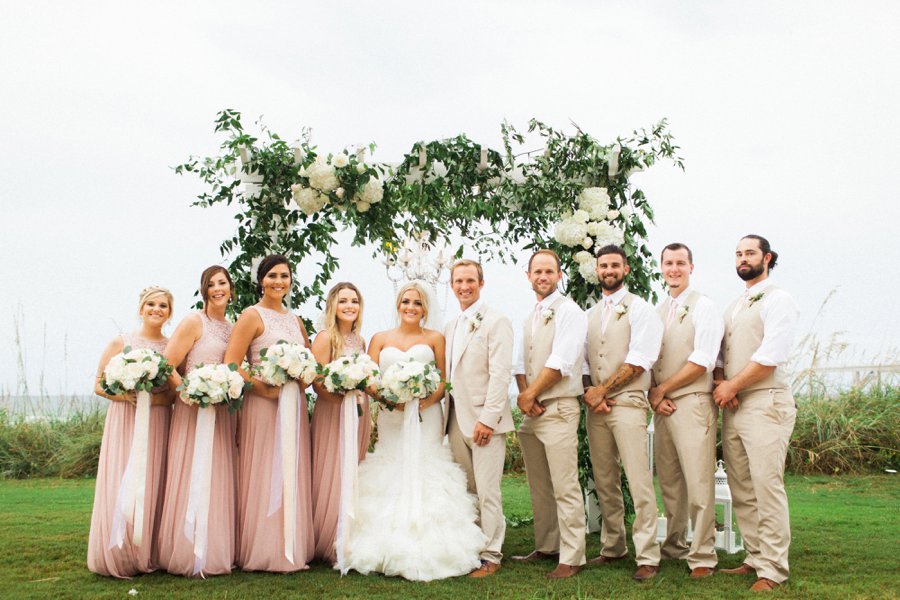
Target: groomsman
x=623, y=341
x=477, y=412
x=686, y=419
x=759, y=411
x=548, y=376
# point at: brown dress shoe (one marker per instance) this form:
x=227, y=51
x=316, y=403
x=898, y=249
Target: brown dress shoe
x=744, y=569
x=487, y=568
x=605, y=560
x=763, y=585
x=536, y=555
x=645, y=572
x=564, y=571
x=701, y=572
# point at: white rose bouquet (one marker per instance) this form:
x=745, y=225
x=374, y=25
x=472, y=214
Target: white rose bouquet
x=409, y=380
x=208, y=385
x=350, y=373
x=135, y=370
x=285, y=361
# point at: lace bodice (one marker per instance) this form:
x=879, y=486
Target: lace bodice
x=278, y=326
x=210, y=348
x=136, y=342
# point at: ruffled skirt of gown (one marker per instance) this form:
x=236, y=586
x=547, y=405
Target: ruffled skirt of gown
x=446, y=541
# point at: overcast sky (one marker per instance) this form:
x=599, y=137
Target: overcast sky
x=785, y=112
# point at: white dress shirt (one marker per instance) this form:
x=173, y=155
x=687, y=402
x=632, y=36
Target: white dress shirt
x=568, y=338
x=646, y=331
x=708, y=329
x=780, y=314
x=462, y=322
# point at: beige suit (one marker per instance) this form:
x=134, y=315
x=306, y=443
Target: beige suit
x=621, y=434
x=755, y=438
x=685, y=447
x=550, y=449
x=479, y=369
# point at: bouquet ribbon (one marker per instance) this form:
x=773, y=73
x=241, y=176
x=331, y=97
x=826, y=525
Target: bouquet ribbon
x=285, y=458
x=130, y=501
x=349, y=457
x=412, y=442
x=196, y=519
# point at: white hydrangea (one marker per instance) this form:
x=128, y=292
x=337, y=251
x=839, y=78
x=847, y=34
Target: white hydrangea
x=372, y=192
x=595, y=201
x=584, y=257
x=569, y=232
x=322, y=176
x=581, y=216
x=307, y=199
x=586, y=269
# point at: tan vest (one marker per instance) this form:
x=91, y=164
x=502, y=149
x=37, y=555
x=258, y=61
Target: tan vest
x=607, y=352
x=538, y=349
x=677, y=346
x=743, y=336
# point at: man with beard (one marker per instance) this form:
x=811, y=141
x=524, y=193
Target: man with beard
x=548, y=374
x=623, y=342
x=759, y=412
x=686, y=417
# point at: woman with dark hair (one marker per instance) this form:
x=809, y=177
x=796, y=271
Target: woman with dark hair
x=264, y=543
x=200, y=548
x=340, y=336
x=127, y=559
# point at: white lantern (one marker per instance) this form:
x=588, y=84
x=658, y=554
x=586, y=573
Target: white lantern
x=726, y=539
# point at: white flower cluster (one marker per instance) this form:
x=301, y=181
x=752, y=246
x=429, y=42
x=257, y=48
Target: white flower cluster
x=206, y=385
x=328, y=179
x=322, y=175
x=371, y=193
x=589, y=227
x=131, y=370
x=307, y=199
x=285, y=361
x=350, y=373
x=410, y=380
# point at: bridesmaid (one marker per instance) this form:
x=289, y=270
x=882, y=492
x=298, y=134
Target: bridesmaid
x=340, y=337
x=154, y=308
x=200, y=338
x=261, y=544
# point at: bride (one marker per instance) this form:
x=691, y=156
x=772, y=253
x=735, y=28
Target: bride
x=413, y=517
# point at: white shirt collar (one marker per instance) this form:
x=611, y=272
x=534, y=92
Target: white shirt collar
x=472, y=310
x=546, y=302
x=681, y=297
x=759, y=287
x=616, y=297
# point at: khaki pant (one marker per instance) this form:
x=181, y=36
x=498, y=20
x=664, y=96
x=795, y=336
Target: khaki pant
x=685, y=454
x=622, y=435
x=755, y=438
x=550, y=449
x=484, y=470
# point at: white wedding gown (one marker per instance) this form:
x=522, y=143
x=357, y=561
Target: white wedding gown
x=414, y=517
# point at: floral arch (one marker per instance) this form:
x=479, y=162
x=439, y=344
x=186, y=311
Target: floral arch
x=568, y=192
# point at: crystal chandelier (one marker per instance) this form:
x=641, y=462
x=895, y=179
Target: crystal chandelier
x=418, y=260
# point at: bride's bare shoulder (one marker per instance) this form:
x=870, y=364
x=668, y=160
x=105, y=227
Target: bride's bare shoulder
x=434, y=337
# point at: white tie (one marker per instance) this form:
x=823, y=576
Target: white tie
x=671, y=316
x=536, y=319
x=607, y=313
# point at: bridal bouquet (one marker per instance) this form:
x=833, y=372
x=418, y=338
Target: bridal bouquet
x=135, y=370
x=285, y=361
x=350, y=373
x=208, y=385
x=409, y=380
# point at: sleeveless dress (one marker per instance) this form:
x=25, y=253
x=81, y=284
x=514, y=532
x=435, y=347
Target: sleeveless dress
x=326, y=457
x=118, y=430
x=261, y=537
x=176, y=551
x=446, y=541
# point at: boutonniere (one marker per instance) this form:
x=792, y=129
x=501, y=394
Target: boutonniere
x=682, y=313
x=547, y=314
x=756, y=298
x=475, y=322
x=620, y=309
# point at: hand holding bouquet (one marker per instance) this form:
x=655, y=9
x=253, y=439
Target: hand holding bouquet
x=409, y=380
x=135, y=370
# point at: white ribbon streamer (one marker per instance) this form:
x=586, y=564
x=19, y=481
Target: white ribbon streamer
x=411, y=489
x=196, y=519
x=130, y=501
x=349, y=460
x=283, y=487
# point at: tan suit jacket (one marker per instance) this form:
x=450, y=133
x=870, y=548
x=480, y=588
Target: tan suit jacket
x=479, y=369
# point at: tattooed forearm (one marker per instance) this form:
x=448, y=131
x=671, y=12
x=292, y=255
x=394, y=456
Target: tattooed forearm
x=622, y=377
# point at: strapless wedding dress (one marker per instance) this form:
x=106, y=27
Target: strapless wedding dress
x=414, y=517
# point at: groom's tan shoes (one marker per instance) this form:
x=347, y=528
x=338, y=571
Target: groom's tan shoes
x=563, y=571
x=487, y=568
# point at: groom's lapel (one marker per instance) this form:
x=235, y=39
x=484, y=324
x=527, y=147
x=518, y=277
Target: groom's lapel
x=460, y=348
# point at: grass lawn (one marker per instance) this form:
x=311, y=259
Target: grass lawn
x=846, y=532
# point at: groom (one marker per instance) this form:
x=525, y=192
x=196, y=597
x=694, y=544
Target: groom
x=477, y=413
